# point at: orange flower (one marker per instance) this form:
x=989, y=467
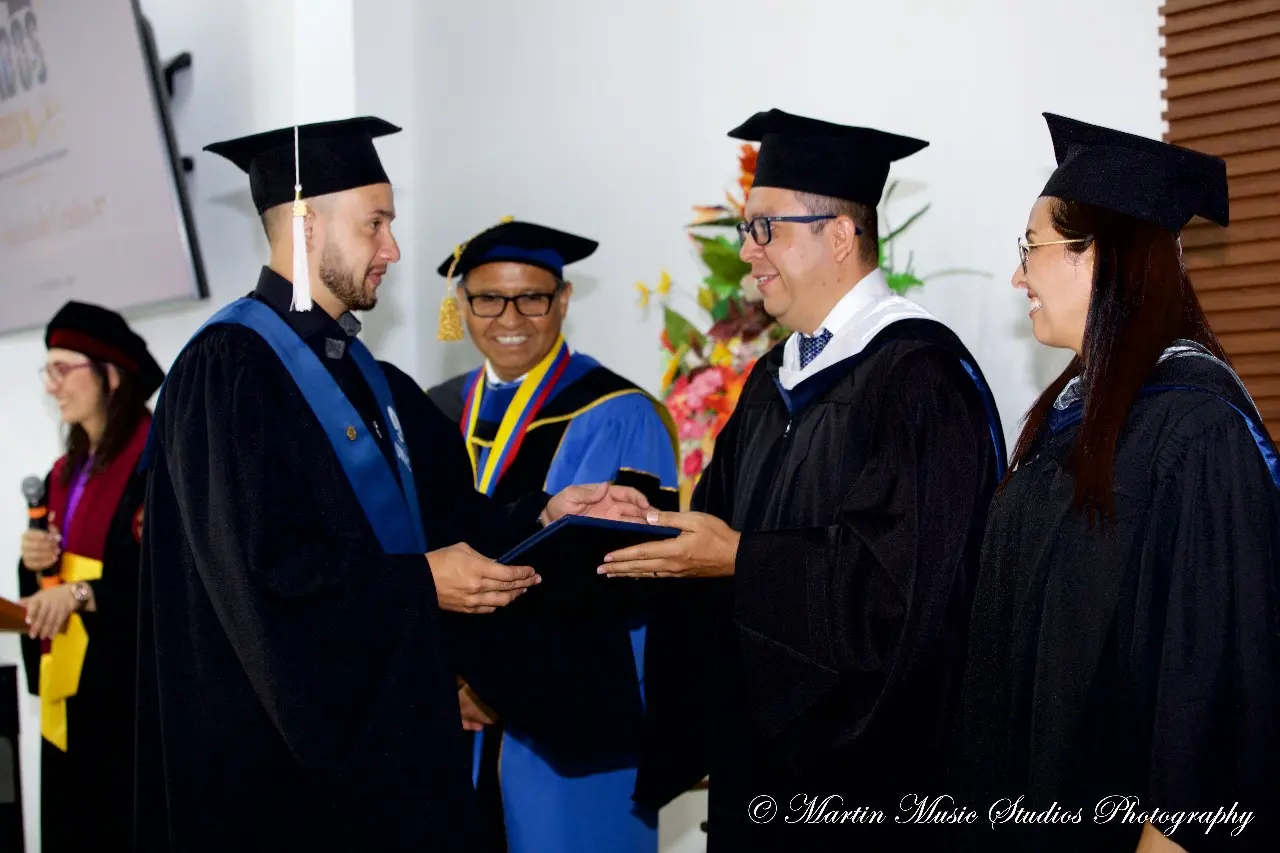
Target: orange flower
x=747, y=159
x=747, y=164
x=703, y=213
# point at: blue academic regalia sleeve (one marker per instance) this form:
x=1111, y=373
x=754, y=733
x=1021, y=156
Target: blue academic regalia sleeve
x=624, y=432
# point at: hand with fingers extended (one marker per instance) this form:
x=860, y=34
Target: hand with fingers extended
x=598, y=500
x=705, y=548
x=469, y=582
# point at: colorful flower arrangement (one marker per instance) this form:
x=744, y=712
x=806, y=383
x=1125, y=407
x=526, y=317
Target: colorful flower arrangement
x=705, y=371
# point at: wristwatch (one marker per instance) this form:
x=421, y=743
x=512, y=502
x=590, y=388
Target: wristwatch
x=81, y=590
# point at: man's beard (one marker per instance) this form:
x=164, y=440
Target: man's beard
x=335, y=275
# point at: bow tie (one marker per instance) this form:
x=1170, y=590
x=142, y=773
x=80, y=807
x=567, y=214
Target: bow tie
x=811, y=346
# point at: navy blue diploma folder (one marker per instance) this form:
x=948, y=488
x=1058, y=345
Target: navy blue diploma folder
x=577, y=544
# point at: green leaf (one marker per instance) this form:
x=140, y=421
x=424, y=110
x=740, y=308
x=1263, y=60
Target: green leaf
x=720, y=310
x=724, y=222
x=901, y=282
x=723, y=289
x=888, y=191
x=910, y=221
x=681, y=331
x=721, y=257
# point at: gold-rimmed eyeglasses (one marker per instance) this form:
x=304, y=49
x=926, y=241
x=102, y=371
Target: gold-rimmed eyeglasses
x=1024, y=248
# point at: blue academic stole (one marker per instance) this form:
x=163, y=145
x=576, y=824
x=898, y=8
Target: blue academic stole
x=394, y=514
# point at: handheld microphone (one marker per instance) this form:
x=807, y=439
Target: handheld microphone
x=38, y=519
x=37, y=512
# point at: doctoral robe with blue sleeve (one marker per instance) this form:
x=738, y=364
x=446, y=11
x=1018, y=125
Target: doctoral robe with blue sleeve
x=557, y=798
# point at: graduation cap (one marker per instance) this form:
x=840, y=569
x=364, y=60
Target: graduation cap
x=1144, y=178
x=332, y=156
x=103, y=335
x=812, y=156
x=521, y=243
x=511, y=241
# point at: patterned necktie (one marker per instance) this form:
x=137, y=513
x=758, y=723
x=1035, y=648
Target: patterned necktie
x=811, y=346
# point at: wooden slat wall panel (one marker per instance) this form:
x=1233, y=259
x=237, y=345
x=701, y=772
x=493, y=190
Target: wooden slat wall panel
x=1241, y=298
x=1256, y=49
x=1239, y=232
x=1221, y=34
x=1211, y=15
x=1242, y=142
x=1222, y=96
x=1242, y=210
x=1227, y=278
x=1217, y=79
x=1262, y=115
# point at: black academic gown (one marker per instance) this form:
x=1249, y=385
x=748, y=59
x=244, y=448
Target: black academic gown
x=292, y=688
x=1142, y=659
x=834, y=661
x=86, y=793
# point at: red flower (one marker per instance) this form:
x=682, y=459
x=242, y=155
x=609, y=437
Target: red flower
x=693, y=464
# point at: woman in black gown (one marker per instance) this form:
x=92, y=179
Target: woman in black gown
x=1123, y=682
x=79, y=580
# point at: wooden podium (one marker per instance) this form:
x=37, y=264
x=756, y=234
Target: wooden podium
x=13, y=617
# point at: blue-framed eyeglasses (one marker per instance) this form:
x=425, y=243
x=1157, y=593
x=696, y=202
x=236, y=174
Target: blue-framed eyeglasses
x=761, y=229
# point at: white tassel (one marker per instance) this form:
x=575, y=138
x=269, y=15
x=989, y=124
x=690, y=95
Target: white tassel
x=301, y=275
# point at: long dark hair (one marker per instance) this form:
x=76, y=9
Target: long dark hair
x=1142, y=302
x=125, y=408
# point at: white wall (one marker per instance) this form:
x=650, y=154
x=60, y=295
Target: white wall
x=608, y=119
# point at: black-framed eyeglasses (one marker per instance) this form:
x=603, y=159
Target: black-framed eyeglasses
x=491, y=305
x=1024, y=248
x=761, y=229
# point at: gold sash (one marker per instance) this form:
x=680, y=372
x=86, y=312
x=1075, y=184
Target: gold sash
x=60, y=667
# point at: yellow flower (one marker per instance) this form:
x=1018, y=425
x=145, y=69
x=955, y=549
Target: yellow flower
x=706, y=299
x=664, y=283
x=645, y=292
x=669, y=376
x=721, y=356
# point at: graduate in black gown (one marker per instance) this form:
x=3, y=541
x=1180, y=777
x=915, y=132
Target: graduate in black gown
x=302, y=513
x=1124, y=674
x=79, y=580
x=833, y=549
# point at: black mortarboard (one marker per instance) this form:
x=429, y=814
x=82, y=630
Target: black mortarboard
x=522, y=243
x=812, y=156
x=1139, y=177
x=102, y=334
x=332, y=156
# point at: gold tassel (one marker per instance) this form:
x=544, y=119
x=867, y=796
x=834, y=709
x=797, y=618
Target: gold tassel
x=449, y=323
